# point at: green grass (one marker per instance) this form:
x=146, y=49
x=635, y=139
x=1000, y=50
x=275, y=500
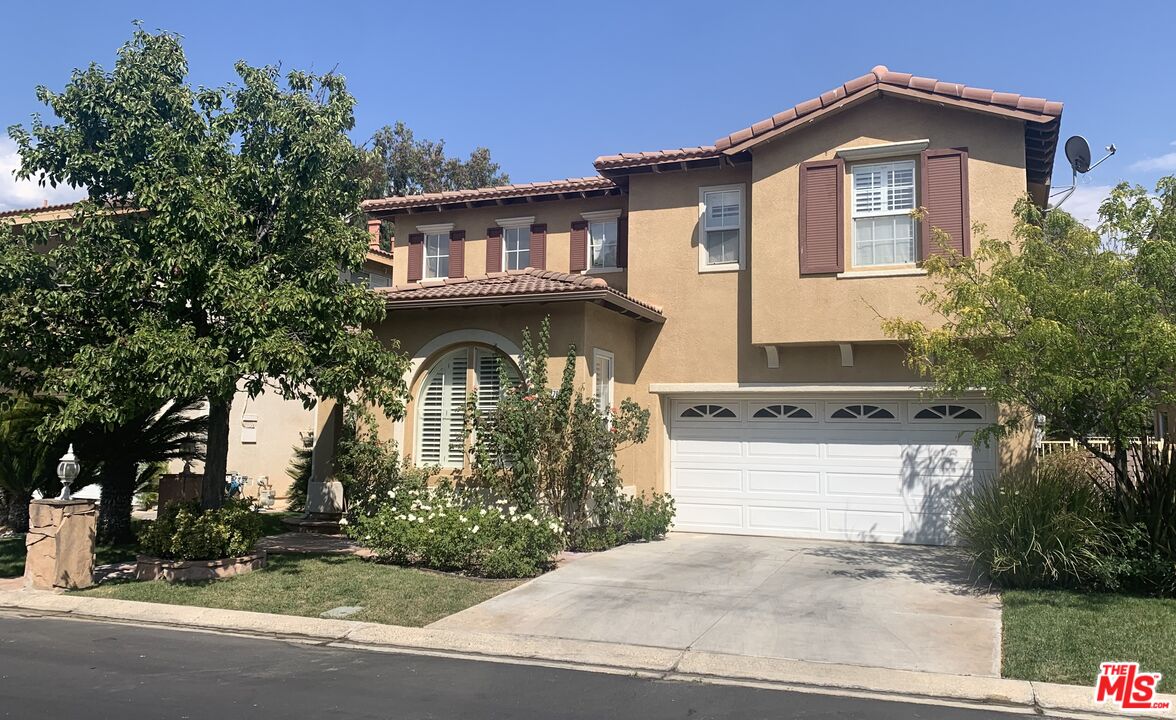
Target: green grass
x=309, y=585
x=271, y=522
x=1059, y=636
x=12, y=556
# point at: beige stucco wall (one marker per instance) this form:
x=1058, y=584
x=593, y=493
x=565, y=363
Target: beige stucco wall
x=847, y=309
x=279, y=426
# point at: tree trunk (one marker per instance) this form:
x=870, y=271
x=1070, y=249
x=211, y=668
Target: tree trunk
x=216, y=461
x=114, y=516
x=18, y=512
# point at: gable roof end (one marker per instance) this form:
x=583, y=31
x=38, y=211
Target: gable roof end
x=882, y=79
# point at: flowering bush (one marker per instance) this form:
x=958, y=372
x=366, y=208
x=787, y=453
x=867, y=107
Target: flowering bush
x=552, y=448
x=369, y=467
x=448, y=529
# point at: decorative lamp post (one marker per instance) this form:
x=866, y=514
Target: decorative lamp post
x=68, y=470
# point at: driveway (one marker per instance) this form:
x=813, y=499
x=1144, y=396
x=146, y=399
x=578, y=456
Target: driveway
x=895, y=606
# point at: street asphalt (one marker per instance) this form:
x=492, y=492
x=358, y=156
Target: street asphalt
x=54, y=668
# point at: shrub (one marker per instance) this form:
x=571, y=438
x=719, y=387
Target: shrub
x=646, y=520
x=457, y=530
x=183, y=531
x=553, y=448
x=368, y=467
x=1038, y=527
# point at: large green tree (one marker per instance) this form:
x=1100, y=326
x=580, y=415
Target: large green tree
x=207, y=252
x=401, y=164
x=1061, y=321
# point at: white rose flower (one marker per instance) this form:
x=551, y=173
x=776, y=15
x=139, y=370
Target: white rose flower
x=475, y=529
x=411, y=517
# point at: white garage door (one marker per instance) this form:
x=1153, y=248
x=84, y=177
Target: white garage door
x=844, y=469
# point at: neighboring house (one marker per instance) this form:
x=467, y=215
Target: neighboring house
x=264, y=431
x=735, y=291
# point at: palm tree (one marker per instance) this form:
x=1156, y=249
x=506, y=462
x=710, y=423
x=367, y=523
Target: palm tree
x=125, y=455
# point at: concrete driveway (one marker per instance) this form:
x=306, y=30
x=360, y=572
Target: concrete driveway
x=892, y=606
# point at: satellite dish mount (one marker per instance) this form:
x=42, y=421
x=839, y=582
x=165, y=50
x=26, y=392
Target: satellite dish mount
x=1078, y=153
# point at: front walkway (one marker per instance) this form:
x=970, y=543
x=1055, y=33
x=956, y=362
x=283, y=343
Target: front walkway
x=892, y=606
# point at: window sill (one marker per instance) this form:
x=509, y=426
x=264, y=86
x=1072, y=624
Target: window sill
x=727, y=267
x=603, y=270
x=889, y=272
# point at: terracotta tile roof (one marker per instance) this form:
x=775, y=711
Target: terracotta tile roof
x=524, y=190
x=655, y=156
x=880, y=77
x=524, y=285
x=36, y=210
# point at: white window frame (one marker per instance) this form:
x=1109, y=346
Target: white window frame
x=597, y=356
x=854, y=215
x=507, y=252
x=434, y=230
x=703, y=265
x=600, y=216
x=515, y=223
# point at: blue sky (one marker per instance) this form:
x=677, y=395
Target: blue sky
x=548, y=86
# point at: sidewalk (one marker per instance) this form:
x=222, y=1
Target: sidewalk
x=641, y=661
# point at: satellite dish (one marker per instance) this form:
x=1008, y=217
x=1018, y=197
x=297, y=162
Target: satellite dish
x=1078, y=153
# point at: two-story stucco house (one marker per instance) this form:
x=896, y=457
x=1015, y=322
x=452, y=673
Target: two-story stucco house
x=735, y=290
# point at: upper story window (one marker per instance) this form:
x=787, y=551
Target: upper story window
x=721, y=219
x=436, y=255
x=883, y=198
x=516, y=247
x=603, y=239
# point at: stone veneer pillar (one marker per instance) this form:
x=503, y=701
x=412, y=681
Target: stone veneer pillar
x=59, y=547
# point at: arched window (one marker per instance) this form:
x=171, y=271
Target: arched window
x=947, y=412
x=707, y=412
x=862, y=412
x=440, y=403
x=782, y=412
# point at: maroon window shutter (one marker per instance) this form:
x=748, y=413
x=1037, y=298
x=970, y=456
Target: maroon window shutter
x=822, y=211
x=539, y=246
x=944, y=187
x=456, y=253
x=416, y=256
x=622, y=242
x=578, y=250
x=493, y=249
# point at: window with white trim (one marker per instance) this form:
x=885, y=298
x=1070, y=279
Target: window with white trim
x=782, y=412
x=602, y=380
x=436, y=255
x=516, y=247
x=883, y=198
x=721, y=227
x=862, y=412
x=440, y=405
x=602, y=244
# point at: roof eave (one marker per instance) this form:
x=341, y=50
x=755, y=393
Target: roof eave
x=615, y=301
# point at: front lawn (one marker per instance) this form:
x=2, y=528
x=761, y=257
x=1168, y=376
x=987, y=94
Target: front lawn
x=309, y=585
x=12, y=556
x=1058, y=636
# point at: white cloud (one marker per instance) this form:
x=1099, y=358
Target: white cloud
x=20, y=194
x=1164, y=162
x=1083, y=204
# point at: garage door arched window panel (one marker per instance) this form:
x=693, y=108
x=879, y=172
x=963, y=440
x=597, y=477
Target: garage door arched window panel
x=782, y=412
x=863, y=411
x=440, y=406
x=947, y=412
x=708, y=412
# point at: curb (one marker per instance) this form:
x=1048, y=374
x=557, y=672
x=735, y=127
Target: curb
x=637, y=660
